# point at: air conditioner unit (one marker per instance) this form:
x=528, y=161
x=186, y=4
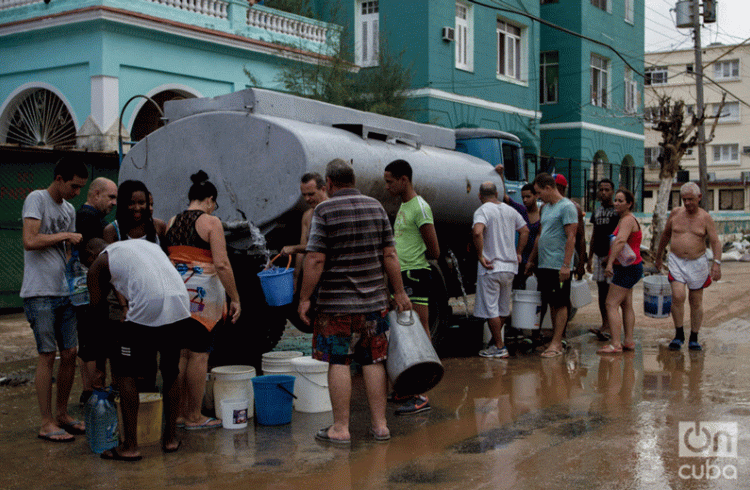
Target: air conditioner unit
x=449, y=34
x=746, y=150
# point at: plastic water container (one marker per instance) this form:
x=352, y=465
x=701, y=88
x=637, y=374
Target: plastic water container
x=527, y=306
x=233, y=383
x=279, y=362
x=277, y=283
x=273, y=399
x=234, y=413
x=580, y=294
x=101, y=422
x=311, y=385
x=75, y=273
x=657, y=296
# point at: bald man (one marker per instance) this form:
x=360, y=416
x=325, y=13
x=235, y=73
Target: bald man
x=90, y=223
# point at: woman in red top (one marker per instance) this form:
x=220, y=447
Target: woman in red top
x=628, y=234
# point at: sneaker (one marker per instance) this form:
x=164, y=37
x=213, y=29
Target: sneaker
x=676, y=344
x=395, y=398
x=417, y=404
x=693, y=345
x=494, y=351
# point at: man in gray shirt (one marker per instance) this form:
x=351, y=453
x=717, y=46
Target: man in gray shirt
x=48, y=235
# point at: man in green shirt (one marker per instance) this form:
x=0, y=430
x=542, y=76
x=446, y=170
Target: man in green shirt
x=416, y=242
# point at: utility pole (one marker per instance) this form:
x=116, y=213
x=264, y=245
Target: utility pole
x=702, y=171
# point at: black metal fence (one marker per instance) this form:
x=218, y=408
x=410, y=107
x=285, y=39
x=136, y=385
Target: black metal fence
x=584, y=175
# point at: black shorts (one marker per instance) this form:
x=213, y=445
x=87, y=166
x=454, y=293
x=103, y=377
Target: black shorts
x=417, y=285
x=196, y=337
x=86, y=347
x=554, y=293
x=137, y=346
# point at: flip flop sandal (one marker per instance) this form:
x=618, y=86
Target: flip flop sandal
x=322, y=435
x=609, y=349
x=167, y=450
x=70, y=428
x=550, y=353
x=600, y=336
x=628, y=346
x=378, y=438
x=49, y=436
x=114, y=455
x=205, y=425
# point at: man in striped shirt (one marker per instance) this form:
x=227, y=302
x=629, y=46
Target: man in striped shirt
x=350, y=252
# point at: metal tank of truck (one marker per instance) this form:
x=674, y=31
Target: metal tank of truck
x=256, y=144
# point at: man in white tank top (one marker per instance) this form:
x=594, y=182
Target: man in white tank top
x=158, y=306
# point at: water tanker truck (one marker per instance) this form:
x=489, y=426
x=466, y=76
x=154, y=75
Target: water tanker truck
x=256, y=144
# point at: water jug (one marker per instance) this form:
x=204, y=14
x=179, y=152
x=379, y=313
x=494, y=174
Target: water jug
x=75, y=273
x=101, y=421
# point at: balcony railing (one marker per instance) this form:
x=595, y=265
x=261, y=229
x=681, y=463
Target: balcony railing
x=236, y=17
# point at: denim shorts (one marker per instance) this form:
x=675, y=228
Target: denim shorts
x=627, y=277
x=53, y=321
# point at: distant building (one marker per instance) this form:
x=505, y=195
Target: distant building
x=590, y=97
x=728, y=154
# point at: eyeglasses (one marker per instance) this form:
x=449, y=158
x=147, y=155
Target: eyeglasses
x=216, y=205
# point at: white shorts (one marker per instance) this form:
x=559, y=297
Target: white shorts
x=695, y=273
x=493, y=295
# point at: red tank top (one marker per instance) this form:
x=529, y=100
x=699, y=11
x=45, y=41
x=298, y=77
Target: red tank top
x=634, y=240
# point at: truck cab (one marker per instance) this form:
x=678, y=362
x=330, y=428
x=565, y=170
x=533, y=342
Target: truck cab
x=496, y=147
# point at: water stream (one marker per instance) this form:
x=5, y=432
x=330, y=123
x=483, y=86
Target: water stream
x=460, y=278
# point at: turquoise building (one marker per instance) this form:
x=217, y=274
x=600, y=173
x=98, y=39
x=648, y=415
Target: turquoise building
x=70, y=66
x=473, y=65
x=591, y=92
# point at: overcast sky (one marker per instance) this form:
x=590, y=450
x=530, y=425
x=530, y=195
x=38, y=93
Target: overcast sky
x=731, y=27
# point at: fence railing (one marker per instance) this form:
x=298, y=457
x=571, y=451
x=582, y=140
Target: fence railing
x=211, y=8
x=584, y=175
x=6, y=4
x=276, y=22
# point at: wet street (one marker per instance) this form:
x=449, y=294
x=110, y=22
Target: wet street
x=649, y=419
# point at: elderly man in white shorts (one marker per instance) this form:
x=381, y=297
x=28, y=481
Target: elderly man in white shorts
x=686, y=231
x=494, y=232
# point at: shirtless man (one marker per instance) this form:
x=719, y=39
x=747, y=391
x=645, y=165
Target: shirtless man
x=686, y=231
x=313, y=189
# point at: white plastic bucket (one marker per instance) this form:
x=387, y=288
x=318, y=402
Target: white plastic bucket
x=311, y=386
x=526, y=308
x=657, y=296
x=233, y=383
x=234, y=413
x=580, y=294
x=279, y=362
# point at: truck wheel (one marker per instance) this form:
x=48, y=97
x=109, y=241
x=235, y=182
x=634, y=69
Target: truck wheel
x=440, y=310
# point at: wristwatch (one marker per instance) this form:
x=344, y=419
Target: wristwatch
x=717, y=262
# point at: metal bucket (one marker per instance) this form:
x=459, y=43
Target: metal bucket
x=413, y=365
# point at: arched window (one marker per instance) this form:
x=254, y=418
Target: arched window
x=148, y=119
x=41, y=118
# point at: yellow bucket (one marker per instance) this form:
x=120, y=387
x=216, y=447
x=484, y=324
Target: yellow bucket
x=149, y=418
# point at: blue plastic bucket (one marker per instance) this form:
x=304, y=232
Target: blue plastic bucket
x=273, y=398
x=277, y=284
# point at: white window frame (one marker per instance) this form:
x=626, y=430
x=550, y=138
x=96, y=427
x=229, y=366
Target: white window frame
x=726, y=154
x=600, y=79
x=631, y=92
x=511, y=37
x=656, y=75
x=727, y=70
x=367, y=32
x=464, y=50
x=544, y=96
x=629, y=11
x=729, y=114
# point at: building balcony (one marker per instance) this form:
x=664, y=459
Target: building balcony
x=224, y=17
